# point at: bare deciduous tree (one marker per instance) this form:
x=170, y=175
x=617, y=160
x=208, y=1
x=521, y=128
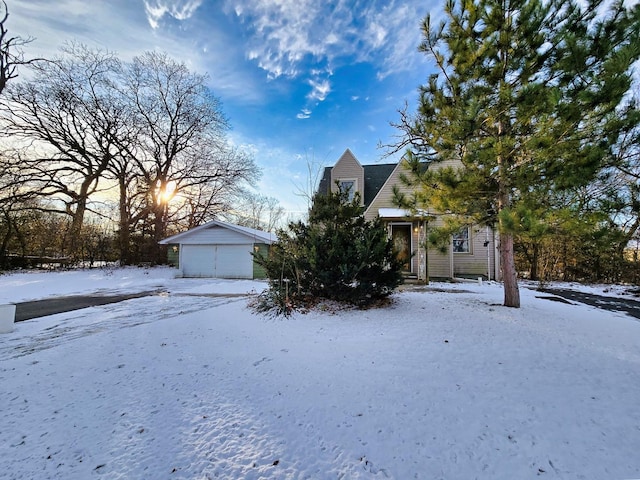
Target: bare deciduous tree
x=87, y=125
x=11, y=54
x=182, y=144
x=308, y=189
x=66, y=122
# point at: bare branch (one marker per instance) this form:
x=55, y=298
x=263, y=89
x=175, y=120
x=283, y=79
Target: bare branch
x=11, y=53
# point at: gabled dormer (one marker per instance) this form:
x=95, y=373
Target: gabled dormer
x=368, y=179
x=349, y=175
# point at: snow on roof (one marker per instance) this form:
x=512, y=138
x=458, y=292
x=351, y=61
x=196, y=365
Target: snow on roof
x=393, y=213
x=401, y=213
x=258, y=236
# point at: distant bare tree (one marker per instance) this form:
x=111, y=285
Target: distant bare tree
x=256, y=211
x=200, y=202
x=11, y=54
x=315, y=170
x=67, y=123
x=11, y=193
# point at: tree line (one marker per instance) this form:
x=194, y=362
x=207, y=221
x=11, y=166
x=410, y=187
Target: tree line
x=101, y=157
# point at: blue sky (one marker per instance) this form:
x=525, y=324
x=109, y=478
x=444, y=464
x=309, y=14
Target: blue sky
x=300, y=80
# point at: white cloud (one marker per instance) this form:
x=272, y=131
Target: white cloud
x=394, y=34
x=291, y=36
x=320, y=90
x=123, y=27
x=178, y=9
x=285, y=173
x=377, y=33
x=305, y=113
x=285, y=31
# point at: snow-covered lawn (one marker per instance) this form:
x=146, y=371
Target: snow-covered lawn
x=441, y=385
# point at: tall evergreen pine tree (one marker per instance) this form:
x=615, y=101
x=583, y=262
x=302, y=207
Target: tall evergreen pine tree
x=529, y=96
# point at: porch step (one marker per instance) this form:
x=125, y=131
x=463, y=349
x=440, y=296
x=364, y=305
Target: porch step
x=411, y=278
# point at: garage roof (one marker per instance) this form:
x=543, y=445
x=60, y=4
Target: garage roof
x=258, y=236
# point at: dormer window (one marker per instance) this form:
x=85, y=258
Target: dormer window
x=348, y=186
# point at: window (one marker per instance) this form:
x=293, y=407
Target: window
x=461, y=241
x=349, y=187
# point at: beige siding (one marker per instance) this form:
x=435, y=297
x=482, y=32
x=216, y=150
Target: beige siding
x=472, y=264
x=439, y=263
x=446, y=163
x=348, y=168
x=480, y=261
x=475, y=262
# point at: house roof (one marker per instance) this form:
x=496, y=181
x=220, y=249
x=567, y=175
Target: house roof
x=374, y=178
x=324, y=187
x=258, y=236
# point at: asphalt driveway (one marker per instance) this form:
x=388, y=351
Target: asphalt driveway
x=51, y=306
x=630, y=306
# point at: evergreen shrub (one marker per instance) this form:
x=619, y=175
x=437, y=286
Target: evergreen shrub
x=338, y=255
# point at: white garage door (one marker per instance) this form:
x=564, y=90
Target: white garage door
x=234, y=261
x=221, y=261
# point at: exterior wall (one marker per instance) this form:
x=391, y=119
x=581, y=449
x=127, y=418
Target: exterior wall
x=439, y=263
x=173, y=255
x=226, y=247
x=476, y=262
x=348, y=168
x=173, y=258
x=212, y=236
x=480, y=261
x=216, y=261
x=258, y=270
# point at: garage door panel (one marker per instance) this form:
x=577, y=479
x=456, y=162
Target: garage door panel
x=217, y=261
x=198, y=260
x=234, y=261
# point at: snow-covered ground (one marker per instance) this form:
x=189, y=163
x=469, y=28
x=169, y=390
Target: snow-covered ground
x=443, y=384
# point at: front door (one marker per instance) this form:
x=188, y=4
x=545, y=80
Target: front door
x=401, y=236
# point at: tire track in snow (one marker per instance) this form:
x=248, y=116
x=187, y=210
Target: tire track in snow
x=106, y=318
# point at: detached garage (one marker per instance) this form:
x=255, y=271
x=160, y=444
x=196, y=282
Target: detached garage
x=219, y=250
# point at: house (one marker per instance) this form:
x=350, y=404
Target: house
x=219, y=250
x=472, y=252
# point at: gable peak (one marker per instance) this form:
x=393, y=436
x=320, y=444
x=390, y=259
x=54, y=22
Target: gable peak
x=348, y=156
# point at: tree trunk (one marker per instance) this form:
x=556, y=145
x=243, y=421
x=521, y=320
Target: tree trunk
x=533, y=272
x=507, y=257
x=509, y=274
x=5, y=241
x=123, y=234
x=159, y=233
x=77, y=221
